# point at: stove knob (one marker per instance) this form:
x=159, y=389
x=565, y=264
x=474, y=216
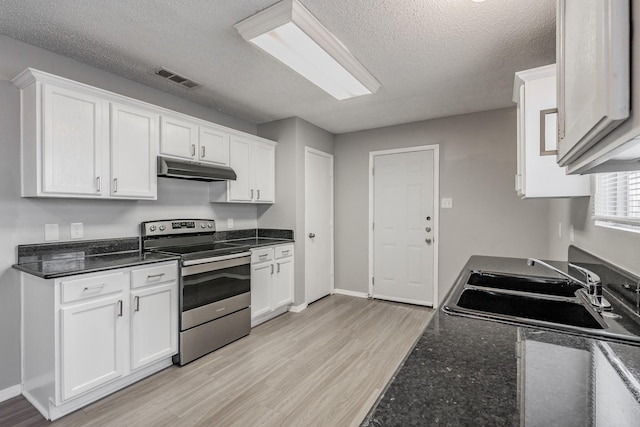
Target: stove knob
x=210, y=225
x=162, y=227
x=152, y=228
x=203, y=225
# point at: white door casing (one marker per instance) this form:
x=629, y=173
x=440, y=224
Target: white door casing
x=403, y=225
x=318, y=236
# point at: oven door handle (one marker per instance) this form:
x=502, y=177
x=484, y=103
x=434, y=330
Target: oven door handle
x=214, y=259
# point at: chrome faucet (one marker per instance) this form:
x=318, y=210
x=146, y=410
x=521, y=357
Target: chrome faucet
x=593, y=284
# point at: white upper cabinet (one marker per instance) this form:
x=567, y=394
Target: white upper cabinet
x=596, y=126
x=179, y=137
x=253, y=160
x=78, y=142
x=134, y=147
x=214, y=146
x=538, y=173
x=71, y=143
x=194, y=141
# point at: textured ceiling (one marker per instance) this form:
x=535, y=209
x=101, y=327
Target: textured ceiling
x=434, y=58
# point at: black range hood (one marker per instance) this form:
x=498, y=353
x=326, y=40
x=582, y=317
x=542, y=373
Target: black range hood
x=183, y=169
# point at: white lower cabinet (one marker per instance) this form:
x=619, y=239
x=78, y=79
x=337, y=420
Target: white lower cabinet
x=272, y=282
x=88, y=335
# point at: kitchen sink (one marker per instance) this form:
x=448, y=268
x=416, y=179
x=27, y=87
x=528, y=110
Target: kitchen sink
x=532, y=284
x=562, y=311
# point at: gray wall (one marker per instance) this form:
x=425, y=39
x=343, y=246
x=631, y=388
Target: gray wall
x=293, y=135
x=22, y=220
x=477, y=168
x=618, y=247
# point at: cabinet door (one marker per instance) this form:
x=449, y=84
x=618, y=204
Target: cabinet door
x=93, y=344
x=261, y=283
x=283, y=287
x=214, y=146
x=593, y=55
x=264, y=172
x=73, y=142
x=154, y=323
x=134, y=147
x=241, y=190
x=178, y=137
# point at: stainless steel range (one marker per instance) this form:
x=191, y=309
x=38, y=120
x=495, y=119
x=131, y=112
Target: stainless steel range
x=215, y=284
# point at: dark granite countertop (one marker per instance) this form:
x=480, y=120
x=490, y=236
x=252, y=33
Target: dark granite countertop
x=255, y=242
x=465, y=371
x=53, y=260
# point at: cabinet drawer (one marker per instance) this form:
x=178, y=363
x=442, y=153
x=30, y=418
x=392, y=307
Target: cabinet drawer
x=89, y=287
x=261, y=255
x=284, y=251
x=154, y=275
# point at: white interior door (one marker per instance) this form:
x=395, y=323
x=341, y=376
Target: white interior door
x=319, y=224
x=404, y=226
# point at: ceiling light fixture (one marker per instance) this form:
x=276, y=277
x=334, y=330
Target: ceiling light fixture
x=290, y=33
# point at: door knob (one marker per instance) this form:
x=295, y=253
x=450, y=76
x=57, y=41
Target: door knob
x=428, y=229
x=312, y=235
x=428, y=241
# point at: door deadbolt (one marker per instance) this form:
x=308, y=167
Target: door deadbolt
x=312, y=235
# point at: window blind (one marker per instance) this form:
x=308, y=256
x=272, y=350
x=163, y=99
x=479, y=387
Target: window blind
x=617, y=198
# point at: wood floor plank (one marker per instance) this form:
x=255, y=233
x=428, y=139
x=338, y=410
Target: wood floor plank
x=324, y=366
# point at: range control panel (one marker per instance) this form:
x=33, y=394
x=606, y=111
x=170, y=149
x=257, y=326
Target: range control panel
x=180, y=226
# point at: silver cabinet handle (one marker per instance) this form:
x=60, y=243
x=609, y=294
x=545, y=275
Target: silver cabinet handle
x=278, y=268
x=137, y=303
x=285, y=252
x=251, y=194
x=202, y=152
x=271, y=268
x=119, y=308
x=153, y=276
x=312, y=235
x=115, y=185
x=98, y=184
x=193, y=149
x=93, y=288
x=263, y=256
x=258, y=198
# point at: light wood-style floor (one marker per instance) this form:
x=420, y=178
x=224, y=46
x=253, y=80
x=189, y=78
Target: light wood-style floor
x=325, y=366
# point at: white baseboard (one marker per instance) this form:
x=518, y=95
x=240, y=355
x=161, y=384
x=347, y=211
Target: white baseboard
x=351, y=293
x=298, y=308
x=10, y=392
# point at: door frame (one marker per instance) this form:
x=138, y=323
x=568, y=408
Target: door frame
x=436, y=211
x=307, y=151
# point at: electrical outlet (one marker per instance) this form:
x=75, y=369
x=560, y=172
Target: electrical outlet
x=51, y=232
x=77, y=231
x=446, y=203
x=230, y=223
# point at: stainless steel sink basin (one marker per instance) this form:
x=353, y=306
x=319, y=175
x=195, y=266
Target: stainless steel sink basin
x=532, y=284
x=562, y=311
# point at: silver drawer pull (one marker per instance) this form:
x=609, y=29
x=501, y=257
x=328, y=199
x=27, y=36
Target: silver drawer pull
x=153, y=276
x=119, y=308
x=278, y=268
x=263, y=256
x=221, y=309
x=137, y=303
x=285, y=252
x=93, y=288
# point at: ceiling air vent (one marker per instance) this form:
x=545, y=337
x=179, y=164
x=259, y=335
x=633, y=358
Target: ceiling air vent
x=177, y=78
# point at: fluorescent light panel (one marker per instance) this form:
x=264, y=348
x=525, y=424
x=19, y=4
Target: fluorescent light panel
x=286, y=31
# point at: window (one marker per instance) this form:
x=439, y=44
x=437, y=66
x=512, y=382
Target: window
x=617, y=200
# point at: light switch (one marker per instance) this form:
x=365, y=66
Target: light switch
x=230, y=223
x=446, y=203
x=51, y=232
x=77, y=230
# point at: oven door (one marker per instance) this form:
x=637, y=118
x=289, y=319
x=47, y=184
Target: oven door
x=215, y=289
